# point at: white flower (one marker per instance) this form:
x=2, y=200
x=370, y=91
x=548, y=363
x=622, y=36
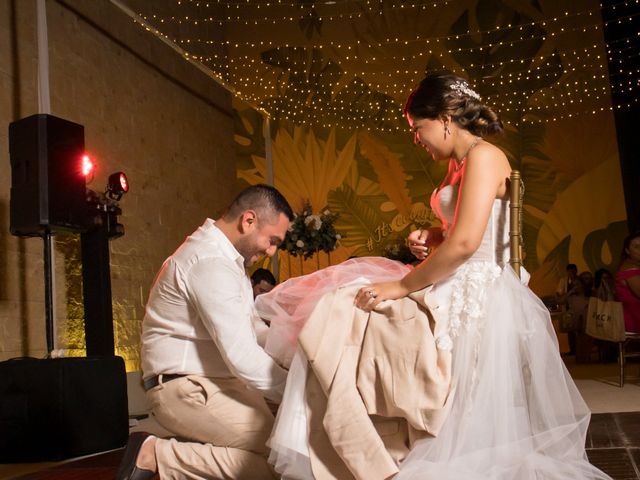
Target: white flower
x=326, y=212
x=314, y=221
x=299, y=244
x=338, y=236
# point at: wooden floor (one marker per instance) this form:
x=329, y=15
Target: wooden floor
x=96, y=467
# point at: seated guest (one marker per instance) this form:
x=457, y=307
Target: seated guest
x=604, y=288
x=628, y=282
x=603, y=285
x=566, y=283
x=586, y=278
x=262, y=281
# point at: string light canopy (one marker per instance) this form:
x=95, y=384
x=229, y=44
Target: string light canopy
x=353, y=62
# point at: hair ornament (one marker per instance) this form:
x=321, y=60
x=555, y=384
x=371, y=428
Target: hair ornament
x=461, y=88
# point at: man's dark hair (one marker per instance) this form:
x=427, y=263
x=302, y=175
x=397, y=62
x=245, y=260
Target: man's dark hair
x=572, y=266
x=264, y=199
x=262, y=274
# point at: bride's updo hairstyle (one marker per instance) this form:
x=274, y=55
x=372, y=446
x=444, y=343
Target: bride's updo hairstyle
x=442, y=94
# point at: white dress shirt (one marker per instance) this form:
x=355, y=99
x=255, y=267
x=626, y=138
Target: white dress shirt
x=200, y=317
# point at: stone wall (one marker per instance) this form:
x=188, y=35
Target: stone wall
x=147, y=112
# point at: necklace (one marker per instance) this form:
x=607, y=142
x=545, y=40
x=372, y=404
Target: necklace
x=458, y=166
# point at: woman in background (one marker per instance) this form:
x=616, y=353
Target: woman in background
x=628, y=282
x=603, y=285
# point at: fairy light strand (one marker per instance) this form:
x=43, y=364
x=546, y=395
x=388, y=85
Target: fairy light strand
x=575, y=77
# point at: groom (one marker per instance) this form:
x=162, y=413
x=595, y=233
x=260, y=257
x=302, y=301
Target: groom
x=203, y=370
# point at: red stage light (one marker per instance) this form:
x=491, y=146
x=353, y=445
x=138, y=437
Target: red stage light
x=87, y=165
x=124, y=183
x=117, y=186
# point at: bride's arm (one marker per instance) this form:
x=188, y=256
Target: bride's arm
x=484, y=179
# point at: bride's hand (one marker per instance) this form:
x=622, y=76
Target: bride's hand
x=417, y=243
x=369, y=296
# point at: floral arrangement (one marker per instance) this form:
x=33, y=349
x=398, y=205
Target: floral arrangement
x=310, y=233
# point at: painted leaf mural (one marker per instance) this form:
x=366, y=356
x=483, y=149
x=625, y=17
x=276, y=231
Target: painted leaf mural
x=391, y=175
x=358, y=220
x=305, y=168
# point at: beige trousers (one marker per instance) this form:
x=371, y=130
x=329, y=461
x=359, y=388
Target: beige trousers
x=221, y=428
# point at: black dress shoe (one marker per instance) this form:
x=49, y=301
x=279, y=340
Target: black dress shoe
x=128, y=469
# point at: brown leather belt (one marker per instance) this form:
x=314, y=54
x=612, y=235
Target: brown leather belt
x=154, y=381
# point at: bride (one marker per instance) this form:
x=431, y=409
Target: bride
x=514, y=411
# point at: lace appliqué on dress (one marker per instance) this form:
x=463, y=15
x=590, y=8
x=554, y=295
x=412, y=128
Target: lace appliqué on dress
x=469, y=290
x=470, y=286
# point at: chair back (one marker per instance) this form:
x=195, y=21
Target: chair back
x=516, y=192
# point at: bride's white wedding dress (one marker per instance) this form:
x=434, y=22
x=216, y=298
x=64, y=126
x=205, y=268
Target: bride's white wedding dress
x=515, y=413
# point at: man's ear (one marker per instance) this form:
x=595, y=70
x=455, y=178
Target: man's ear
x=248, y=221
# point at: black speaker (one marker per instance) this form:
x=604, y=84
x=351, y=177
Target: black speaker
x=48, y=192
x=53, y=409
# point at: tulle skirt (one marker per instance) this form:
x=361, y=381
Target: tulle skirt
x=515, y=413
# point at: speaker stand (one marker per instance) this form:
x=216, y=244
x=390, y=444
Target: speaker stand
x=47, y=238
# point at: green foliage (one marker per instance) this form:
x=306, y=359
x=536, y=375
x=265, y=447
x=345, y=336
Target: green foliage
x=310, y=233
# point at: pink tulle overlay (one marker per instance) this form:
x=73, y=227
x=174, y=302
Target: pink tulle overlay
x=289, y=304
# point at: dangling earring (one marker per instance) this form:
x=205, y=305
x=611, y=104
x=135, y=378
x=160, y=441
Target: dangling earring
x=446, y=129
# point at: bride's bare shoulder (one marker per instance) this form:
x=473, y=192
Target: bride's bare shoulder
x=489, y=155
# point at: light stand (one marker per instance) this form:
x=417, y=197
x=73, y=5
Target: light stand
x=96, y=274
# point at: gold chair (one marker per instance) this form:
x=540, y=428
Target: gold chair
x=623, y=354
x=516, y=192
